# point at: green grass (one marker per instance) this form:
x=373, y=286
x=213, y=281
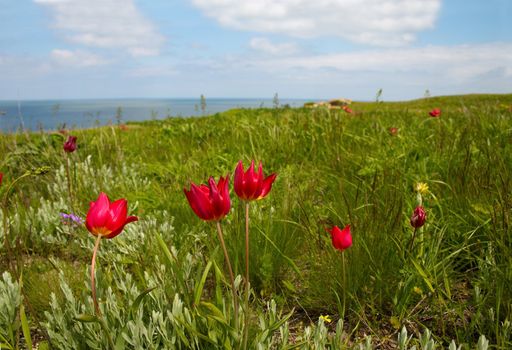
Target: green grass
x=333, y=168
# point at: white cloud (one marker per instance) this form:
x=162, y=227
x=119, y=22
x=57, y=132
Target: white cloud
x=152, y=71
x=454, y=62
x=113, y=24
x=266, y=46
x=76, y=58
x=375, y=22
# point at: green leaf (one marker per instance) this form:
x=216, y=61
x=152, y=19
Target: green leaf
x=423, y=274
x=86, y=318
x=165, y=249
x=200, y=286
x=214, y=312
x=25, y=327
x=139, y=298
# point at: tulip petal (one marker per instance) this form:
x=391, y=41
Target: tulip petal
x=267, y=185
x=99, y=212
x=216, y=199
x=118, y=212
x=224, y=190
x=239, y=180
x=199, y=201
x=341, y=239
x=121, y=228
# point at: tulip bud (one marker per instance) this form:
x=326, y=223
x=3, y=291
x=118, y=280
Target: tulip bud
x=341, y=239
x=436, y=112
x=1, y=177
x=418, y=217
x=70, y=144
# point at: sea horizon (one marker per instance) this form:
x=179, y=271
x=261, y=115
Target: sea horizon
x=53, y=114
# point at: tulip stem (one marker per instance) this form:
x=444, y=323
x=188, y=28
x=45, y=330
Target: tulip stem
x=247, y=284
x=412, y=240
x=344, y=276
x=68, y=174
x=93, y=282
x=230, y=269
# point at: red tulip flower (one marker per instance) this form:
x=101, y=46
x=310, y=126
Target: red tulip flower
x=347, y=109
x=251, y=185
x=70, y=144
x=341, y=239
x=418, y=217
x=107, y=219
x=1, y=177
x=212, y=202
x=436, y=112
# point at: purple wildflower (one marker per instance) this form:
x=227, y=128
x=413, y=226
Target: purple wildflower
x=71, y=219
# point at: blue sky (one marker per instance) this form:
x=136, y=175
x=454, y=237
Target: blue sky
x=59, y=49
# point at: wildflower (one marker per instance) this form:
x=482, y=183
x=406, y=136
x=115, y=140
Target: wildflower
x=418, y=217
x=393, y=131
x=251, y=185
x=70, y=144
x=341, y=239
x=107, y=219
x=1, y=177
x=326, y=318
x=422, y=188
x=417, y=290
x=212, y=202
x=71, y=219
x=436, y=112
x=347, y=109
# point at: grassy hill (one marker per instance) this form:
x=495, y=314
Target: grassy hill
x=334, y=168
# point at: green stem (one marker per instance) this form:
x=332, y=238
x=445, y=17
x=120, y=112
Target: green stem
x=101, y=320
x=93, y=282
x=344, y=281
x=412, y=240
x=247, y=283
x=230, y=269
x=68, y=175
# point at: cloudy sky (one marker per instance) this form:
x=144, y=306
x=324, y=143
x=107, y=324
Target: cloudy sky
x=58, y=49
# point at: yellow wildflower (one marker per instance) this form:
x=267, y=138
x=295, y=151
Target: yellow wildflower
x=422, y=188
x=417, y=290
x=326, y=318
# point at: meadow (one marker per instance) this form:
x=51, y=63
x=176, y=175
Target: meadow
x=163, y=282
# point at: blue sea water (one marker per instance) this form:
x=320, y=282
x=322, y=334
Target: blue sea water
x=55, y=114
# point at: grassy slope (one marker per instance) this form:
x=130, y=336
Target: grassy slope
x=333, y=168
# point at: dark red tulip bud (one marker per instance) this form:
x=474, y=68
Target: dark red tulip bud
x=418, y=217
x=70, y=144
